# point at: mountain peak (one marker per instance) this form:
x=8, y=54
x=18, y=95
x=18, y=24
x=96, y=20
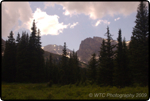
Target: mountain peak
x=56, y=49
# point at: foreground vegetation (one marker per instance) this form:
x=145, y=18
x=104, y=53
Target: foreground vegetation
x=84, y=91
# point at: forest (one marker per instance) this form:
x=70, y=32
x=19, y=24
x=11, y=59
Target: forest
x=23, y=60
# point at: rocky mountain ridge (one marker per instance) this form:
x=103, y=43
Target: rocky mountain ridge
x=56, y=49
x=89, y=46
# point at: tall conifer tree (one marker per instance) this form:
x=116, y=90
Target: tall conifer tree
x=121, y=75
x=139, y=46
x=64, y=69
x=92, y=68
x=22, y=60
x=102, y=63
x=9, y=60
x=109, y=54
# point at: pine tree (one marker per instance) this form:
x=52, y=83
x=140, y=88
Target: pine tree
x=76, y=68
x=92, y=68
x=106, y=65
x=121, y=75
x=71, y=69
x=102, y=64
x=40, y=58
x=22, y=71
x=109, y=54
x=64, y=68
x=50, y=66
x=32, y=54
x=33, y=34
x=118, y=63
x=18, y=38
x=139, y=47
x=9, y=60
x=126, y=70
x=36, y=60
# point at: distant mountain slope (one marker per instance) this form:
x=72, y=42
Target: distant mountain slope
x=89, y=46
x=56, y=49
x=55, y=57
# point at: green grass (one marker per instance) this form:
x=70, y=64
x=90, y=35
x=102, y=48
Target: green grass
x=42, y=91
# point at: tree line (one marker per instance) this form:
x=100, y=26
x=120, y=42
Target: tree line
x=23, y=59
x=127, y=65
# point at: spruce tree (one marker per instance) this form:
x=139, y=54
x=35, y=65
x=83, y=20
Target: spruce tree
x=46, y=71
x=9, y=60
x=106, y=65
x=76, y=68
x=36, y=59
x=121, y=75
x=40, y=58
x=50, y=66
x=18, y=38
x=64, y=67
x=22, y=60
x=102, y=64
x=126, y=76
x=92, y=68
x=118, y=62
x=139, y=47
x=71, y=70
x=109, y=59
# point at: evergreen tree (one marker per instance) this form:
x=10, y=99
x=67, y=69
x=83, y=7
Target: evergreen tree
x=121, y=75
x=46, y=71
x=64, y=69
x=50, y=66
x=106, y=65
x=40, y=58
x=32, y=54
x=109, y=54
x=102, y=64
x=36, y=60
x=71, y=70
x=27, y=38
x=126, y=70
x=55, y=73
x=92, y=68
x=9, y=60
x=22, y=71
x=18, y=38
x=118, y=64
x=76, y=68
x=139, y=47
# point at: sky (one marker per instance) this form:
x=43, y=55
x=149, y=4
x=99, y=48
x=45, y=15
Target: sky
x=69, y=22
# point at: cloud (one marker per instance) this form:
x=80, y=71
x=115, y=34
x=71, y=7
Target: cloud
x=74, y=24
x=17, y=15
x=96, y=10
x=48, y=4
x=102, y=21
x=12, y=12
x=117, y=19
x=48, y=24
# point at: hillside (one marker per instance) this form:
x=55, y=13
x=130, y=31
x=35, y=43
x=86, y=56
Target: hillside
x=56, y=49
x=55, y=57
x=89, y=46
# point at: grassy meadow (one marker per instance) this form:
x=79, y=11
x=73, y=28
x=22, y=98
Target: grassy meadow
x=43, y=91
